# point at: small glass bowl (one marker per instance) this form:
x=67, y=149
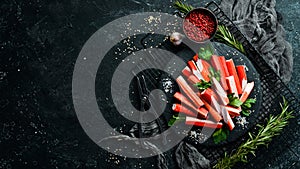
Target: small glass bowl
x=198, y=16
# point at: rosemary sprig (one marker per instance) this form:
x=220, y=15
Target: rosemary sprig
x=264, y=136
x=182, y=7
x=224, y=35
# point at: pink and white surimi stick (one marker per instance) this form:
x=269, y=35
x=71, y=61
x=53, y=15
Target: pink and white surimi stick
x=217, y=65
x=193, y=79
x=227, y=118
x=184, y=100
x=202, y=123
x=232, y=72
x=233, y=111
x=195, y=58
x=186, y=71
x=195, y=70
x=220, y=91
x=215, y=104
x=201, y=111
x=249, y=87
x=241, y=71
x=222, y=61
x=199, y=65
x=182, y=109
x=208, y=97
x=189, y=92
x=204, y=73
x=232, y=85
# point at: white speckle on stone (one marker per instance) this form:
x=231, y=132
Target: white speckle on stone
x=242, y=121
x=167, y=85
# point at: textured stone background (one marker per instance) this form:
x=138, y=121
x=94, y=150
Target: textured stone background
x=39, y=43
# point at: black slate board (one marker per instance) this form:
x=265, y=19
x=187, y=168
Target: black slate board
x=252, y=74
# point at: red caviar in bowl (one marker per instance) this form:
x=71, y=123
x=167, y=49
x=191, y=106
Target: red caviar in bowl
x=200, y=25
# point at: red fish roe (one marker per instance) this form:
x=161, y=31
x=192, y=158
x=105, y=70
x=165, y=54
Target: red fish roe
x=200, y=25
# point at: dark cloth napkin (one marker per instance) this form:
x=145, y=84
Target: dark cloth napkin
x=259, y=21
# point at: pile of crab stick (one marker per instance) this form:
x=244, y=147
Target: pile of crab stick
x=210, y=107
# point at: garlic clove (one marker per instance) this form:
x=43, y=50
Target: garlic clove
x=176, y=38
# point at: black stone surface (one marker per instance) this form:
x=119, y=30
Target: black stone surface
x=39, y=43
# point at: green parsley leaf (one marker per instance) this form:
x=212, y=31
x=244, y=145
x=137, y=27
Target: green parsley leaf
x=203, y=85
x=214, y=73
x=246, y=106
x=246, y=112
x=205, y=53
x=234, y=101
x=250, y=101
x=220, y=135
x=174, y=119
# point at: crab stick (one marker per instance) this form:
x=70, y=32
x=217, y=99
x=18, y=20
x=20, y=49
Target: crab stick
x=213, y=93
x=220, y=91
x=222, y=61
x=201, y=111
x=214, y=114
x=199, y=66
x=232, y=72
x=217, y=86
x=215, y=104
x=202, y=123
x=217, y=65
x=233, y=111
x=215, y=62
x=182, y=109
x=186, y=71
x=209, y=98
x=249, y=87
x=241, y=71
x=227, y=119
x=184, y=100
x=206, y=95
x=195, y=70
x=203, y=67
x=193, y=79
x=232, y=85
x=189, y=92
x=196, y=57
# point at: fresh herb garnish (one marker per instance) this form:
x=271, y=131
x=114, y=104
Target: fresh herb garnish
x=248, y=102
x=174, y=119
x=224, y=35
x=214, y=73
x=220, y=135
x=264, y=136
x=202, y=85
x=184, y=8
x=205, y=53
x=234, y=101
x=246, y=106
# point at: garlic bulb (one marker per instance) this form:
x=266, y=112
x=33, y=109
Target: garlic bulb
x=176, y=38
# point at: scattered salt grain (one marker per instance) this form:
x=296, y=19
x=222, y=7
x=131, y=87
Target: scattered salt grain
x=242, y=121
x=168, y=85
